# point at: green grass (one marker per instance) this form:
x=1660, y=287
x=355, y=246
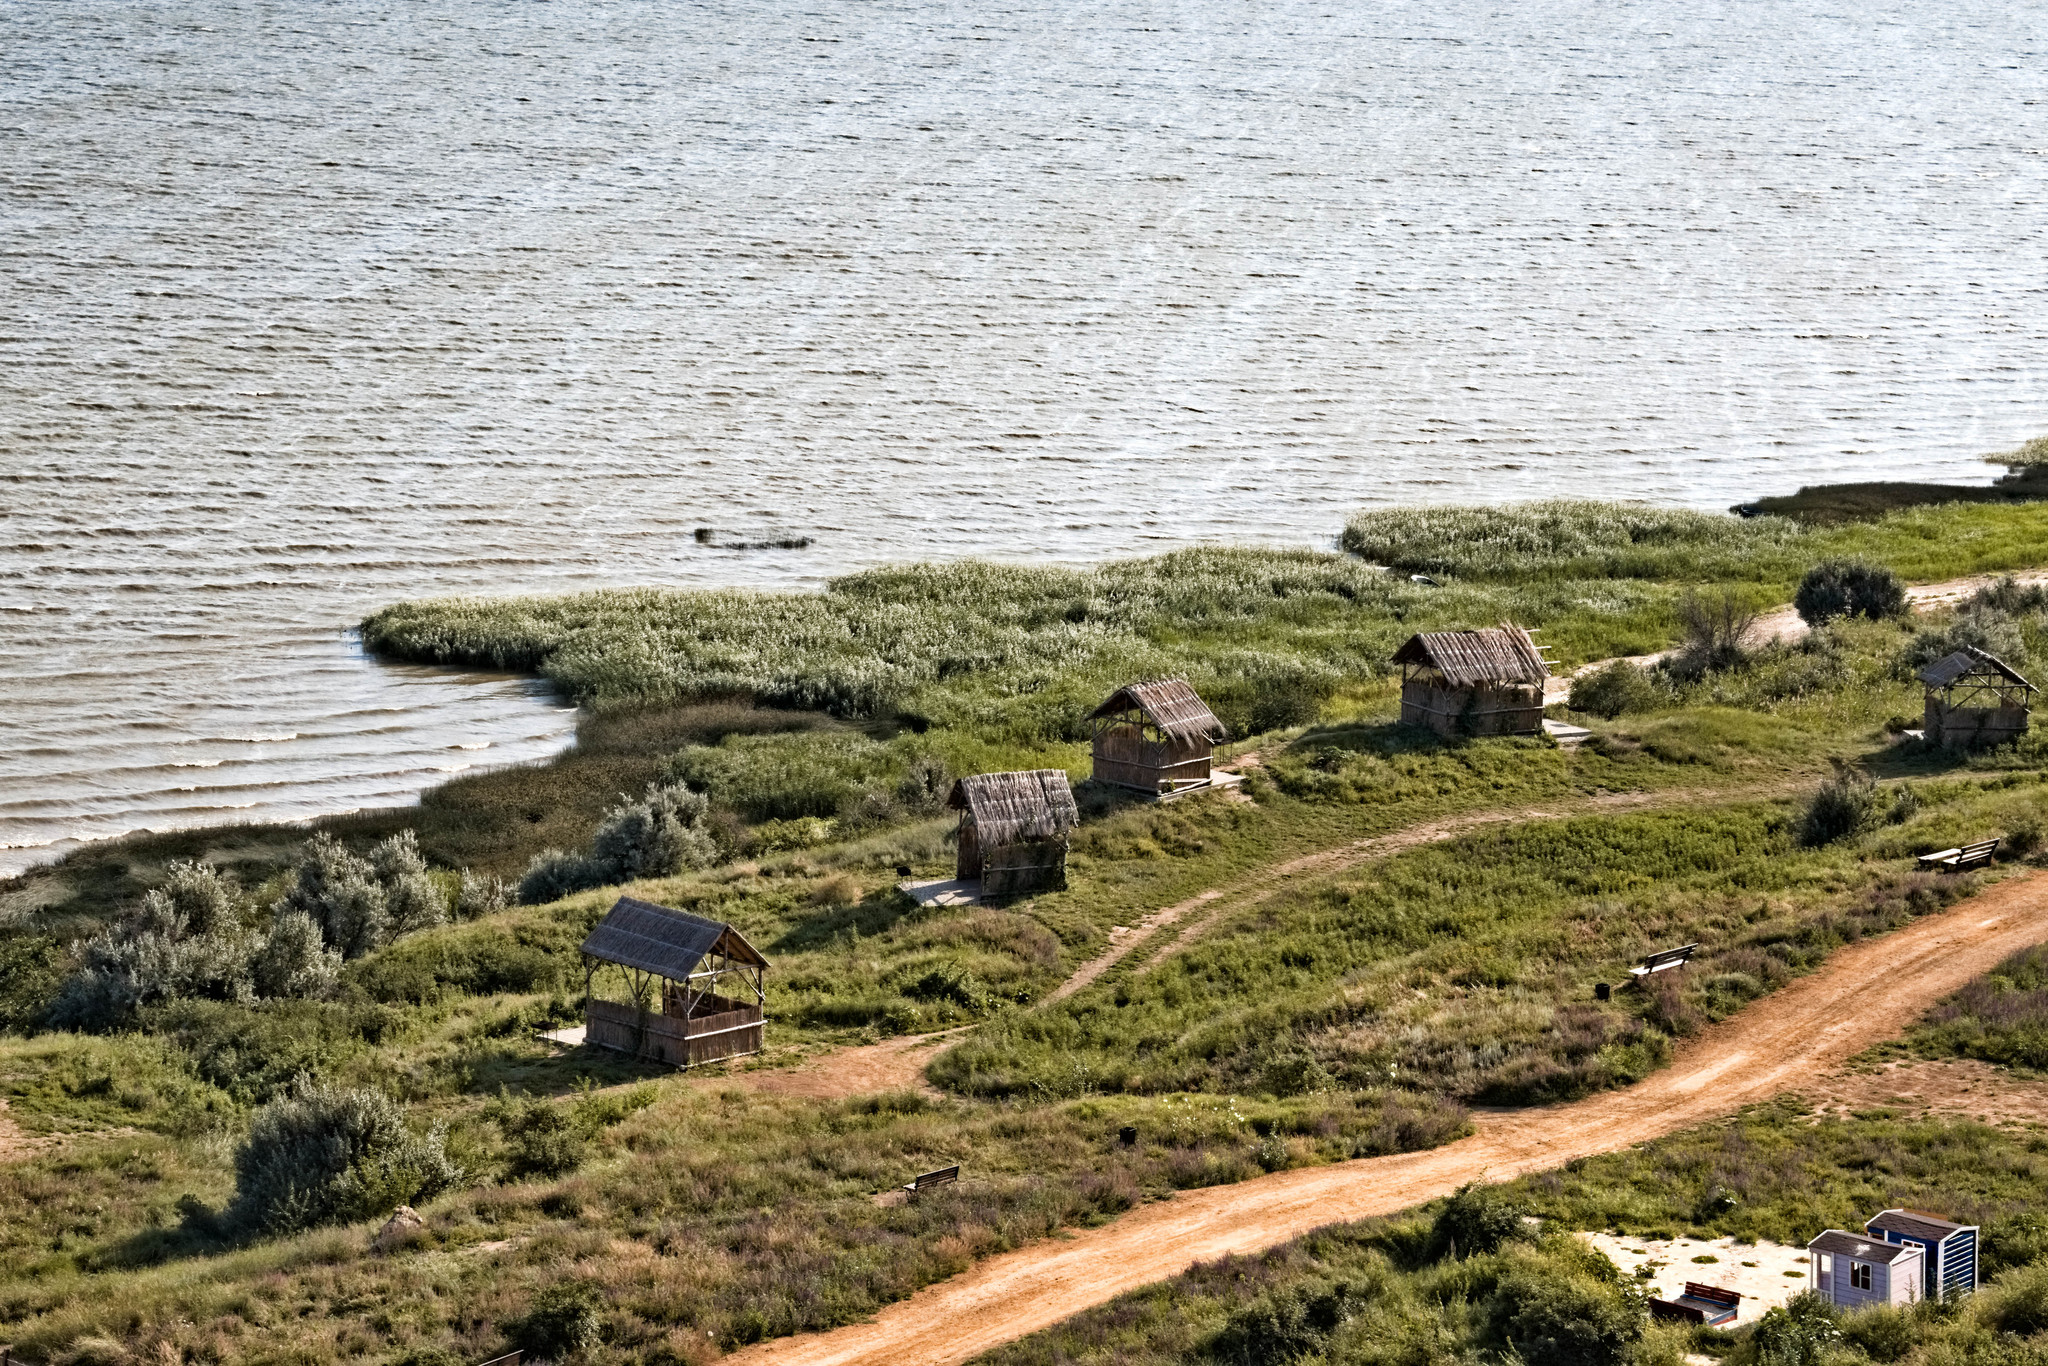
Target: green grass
x=1567, y=541
x=2001, y=1017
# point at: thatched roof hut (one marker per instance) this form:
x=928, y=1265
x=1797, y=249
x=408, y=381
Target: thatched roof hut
x=1975, y=699
x=1485, y=682
x=1157, y=737
x=1014, y=829
x=690, y=957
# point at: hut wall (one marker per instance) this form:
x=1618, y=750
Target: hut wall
x=1513, y=710
x=1973, y=727
x=1018, y=869
x=967, y=862
x=1125, y=757
x=664, y=1038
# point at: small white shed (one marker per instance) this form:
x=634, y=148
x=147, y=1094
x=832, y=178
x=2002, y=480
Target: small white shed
x=1855, y=1269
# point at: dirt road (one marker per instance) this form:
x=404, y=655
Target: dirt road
x=1866, y=993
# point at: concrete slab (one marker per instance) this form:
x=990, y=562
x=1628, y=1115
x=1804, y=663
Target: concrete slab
x=1219, y=781
x=572, y=1037
x=1765, y=1274
x=942, y=892
x=1566, y=734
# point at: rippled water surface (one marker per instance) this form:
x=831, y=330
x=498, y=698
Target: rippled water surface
x=313, y=306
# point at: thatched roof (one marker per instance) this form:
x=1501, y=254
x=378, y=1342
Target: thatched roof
x=1009, y=808
x=1470, y=659
x=1171, y=705
x=667, y=943
x=1966, y=661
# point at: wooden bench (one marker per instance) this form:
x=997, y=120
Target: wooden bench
x=944, y=1176
x=1663, y=960
x=1956, y=860
x=1699, y=1304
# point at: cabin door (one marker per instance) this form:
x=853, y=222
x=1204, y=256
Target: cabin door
x=969, y=866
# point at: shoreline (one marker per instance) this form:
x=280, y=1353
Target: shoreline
x=147, y=842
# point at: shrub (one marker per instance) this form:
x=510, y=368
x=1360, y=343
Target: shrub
x=1618, y=688
x=1845, y=804
x=545, y=1141
x=1476, y=1221
x=194, y=899
x=1849, y=588
x=554, y=874
x=660, y=834
x=341, y=894
x=1718, y=630
x=2009, y=596
x=1883, y=1333
x=123, y=970
x=329, y=1155
x=1797, y=1334
x=411, y=899
x=2012, y=1240
x=563, y=1320
x=294, y=962
x=1555, y=1318
x=2020, y=1302
x=479, y=895
x=1284, y=1325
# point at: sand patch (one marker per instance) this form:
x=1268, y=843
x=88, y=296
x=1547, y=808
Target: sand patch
x=1759, y=1272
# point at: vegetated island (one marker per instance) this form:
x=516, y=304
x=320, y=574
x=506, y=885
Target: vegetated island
x=231, y=1053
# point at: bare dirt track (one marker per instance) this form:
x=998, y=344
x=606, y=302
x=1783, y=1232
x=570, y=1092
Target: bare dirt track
x=1866, y=993
x=892, y=1065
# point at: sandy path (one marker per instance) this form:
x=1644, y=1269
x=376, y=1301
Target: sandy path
x=1783, y=623
x=867, y=1069
x=1867, y=992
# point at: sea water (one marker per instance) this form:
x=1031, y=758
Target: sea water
x=313, y=306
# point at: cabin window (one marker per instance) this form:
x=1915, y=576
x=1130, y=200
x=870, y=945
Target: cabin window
x=1859, y=1275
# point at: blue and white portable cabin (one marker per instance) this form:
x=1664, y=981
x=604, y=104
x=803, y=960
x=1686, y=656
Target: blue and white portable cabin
x=1950, y=1249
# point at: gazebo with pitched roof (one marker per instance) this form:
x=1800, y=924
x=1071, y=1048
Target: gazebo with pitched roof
x=1157, y=737
x=1975, y=699
x=1014, y=829
x=1487, y=682
x=691, y=958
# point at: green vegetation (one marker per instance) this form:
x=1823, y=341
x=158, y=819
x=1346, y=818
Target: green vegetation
x=366, y=993
x=2001, y=1017
x=326, y=1155
x=1849, y=588
x=1391, y=1291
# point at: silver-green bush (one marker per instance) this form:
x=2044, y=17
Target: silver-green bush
x=329, y=1155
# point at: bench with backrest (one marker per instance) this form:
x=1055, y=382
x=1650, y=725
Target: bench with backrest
x=1699, y=1304
x=944, y=1176
x=1664, y=960
x=1955, y=860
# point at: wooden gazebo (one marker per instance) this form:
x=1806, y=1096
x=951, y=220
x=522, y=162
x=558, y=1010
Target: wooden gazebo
x=1156, y=737
x=1975, y=699
x=1014, y=829
x=1487, y=682
x=691, y=959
